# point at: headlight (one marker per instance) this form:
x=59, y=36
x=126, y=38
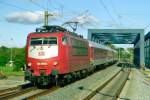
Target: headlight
x=38, y=63
x=29, y=64
x=42, y=63
x=55, y=63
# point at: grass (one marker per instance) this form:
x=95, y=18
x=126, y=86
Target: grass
x=8, y=71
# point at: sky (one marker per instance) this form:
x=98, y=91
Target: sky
x=20, y=17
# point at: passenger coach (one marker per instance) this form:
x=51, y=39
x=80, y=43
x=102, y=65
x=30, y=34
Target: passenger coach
x=101, y=54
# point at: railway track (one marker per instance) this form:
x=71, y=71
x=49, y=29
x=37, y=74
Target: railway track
x=22, y=92
x=43, y=92
x=40, y=93
x=110, y=89
x=9, y=90
x=15, y=91
x=30, y=93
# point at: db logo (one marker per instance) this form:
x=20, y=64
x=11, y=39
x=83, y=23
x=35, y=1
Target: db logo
x=41, y=54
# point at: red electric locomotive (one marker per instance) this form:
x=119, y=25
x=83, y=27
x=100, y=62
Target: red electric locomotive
x=57, y=56
x=53, y=53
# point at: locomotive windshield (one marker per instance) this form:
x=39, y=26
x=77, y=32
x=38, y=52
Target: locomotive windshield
x=45, y=40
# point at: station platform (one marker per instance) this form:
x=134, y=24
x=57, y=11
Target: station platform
x=137, y=87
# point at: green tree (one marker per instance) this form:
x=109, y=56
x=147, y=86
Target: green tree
x=109, y=44
x=19, y=58
x=4, y=58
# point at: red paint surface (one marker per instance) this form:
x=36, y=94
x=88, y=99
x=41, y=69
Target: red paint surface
x=66, y=61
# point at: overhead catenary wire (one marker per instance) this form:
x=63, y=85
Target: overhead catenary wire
x=60, y=8
x=54, y=6
x=20, y=8
x=48, y=4
x=115, y=11
x=107, y=11
x=46, y=7
x=38, y=5
x=15, y=6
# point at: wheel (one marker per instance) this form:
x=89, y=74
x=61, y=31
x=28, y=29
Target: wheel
x=61, y=82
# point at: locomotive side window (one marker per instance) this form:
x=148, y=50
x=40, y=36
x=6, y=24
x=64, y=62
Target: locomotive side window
x=79, y=48
x=39, y=41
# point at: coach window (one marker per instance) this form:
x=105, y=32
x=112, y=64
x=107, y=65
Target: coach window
x=64, y=40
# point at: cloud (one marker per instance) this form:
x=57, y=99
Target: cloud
x=36, y=17
x=86, y=20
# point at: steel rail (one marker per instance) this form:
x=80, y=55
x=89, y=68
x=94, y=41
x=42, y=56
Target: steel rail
x=44, y=92
x=122, y=85
x=101, y=87
x=10, y=95
x=93, y=93
x=8, y=90
x=15, y=91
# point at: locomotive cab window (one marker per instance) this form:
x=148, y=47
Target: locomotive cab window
x=36, y=41
x=45, y=41
x=51, y=40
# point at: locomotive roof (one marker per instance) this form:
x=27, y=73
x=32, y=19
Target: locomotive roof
x=54, y=28
x=97, y=45
x=51, y=29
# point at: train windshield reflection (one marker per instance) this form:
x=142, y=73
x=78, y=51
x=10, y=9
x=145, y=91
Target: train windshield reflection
x=45, y=40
